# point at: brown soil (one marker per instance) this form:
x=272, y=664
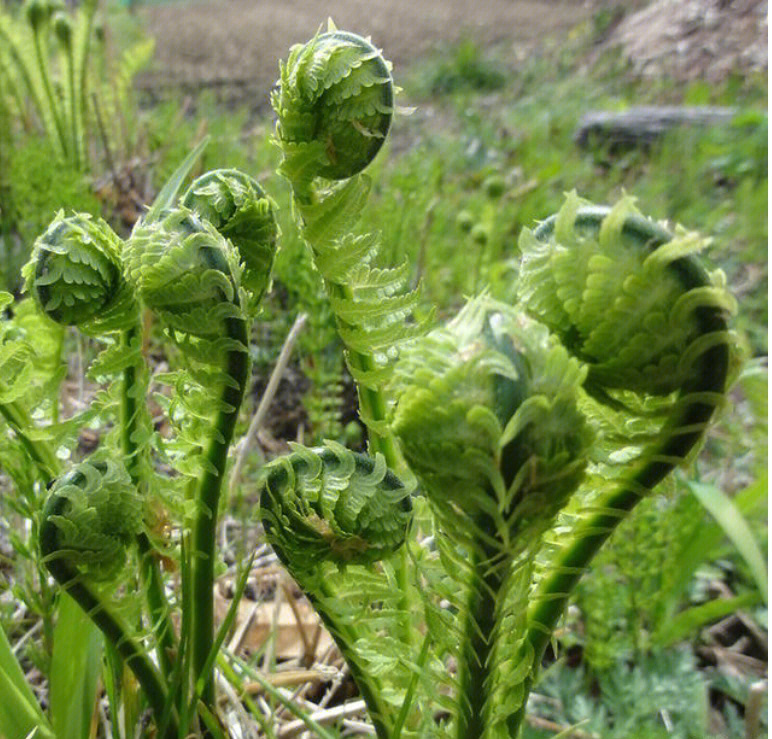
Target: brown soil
x=236, y=43
x=233, y=46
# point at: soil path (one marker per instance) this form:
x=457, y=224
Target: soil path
x=236, y=43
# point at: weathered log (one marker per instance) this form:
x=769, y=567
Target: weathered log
x=643, y=125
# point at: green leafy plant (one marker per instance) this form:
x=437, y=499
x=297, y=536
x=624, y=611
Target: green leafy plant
x=498, y=416
x=52, y=63
x=505, y=445
x=66, y=107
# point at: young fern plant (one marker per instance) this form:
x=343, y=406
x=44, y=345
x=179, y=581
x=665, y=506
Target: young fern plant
x=204, y=288
x=334, y=106
x=532, y=430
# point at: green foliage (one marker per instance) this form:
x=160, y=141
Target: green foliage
x=633, y=700
x=462, y=68
x=34, y=184
x=332, y=504
x=584, y=291
x=239, y=209
x=335, y=103
x=75, y=275
x=516, y=445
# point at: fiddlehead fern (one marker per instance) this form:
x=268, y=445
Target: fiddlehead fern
x=488, y=419
x=188, y=274
x=90, y=518
x=630, y=299
x=75, y=274
x=327, y=509
x=335, y=103
x=237, y=207
x=334, y=107
x=333, y=505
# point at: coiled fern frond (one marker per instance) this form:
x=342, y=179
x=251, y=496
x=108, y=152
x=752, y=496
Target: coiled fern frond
x=334, y=505
x=90, y=518
x=488, y=418
x=335, y=102
x=334, y=106
x=187, y=274
x=239, y=209
x=75, y=274
x=334, y=517
x=614, y=286
x=630, y=299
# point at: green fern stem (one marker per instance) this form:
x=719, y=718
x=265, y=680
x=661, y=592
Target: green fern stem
x=76, y=154
x=488, y=585
x=115, y=630
x=372, y=402
x=327, y=508
x=207, y=500
x=39, y=451
x=48, y=90
x=380, y=713
x=79, y=71
x=682, y=431
x=149, y=571
x=24, y=71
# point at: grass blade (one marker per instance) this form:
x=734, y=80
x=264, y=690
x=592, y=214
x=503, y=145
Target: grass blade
x=20, y=713
x=736, y=528
x=169, y=191
x=75, y=666
x=689, y=621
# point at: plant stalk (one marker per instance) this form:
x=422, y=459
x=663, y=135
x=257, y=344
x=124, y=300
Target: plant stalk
x=488, y=584
x=116, y=632
x=40, y=452
x=150, y=573
x=550, y=597
x=43, y=69
x=207, y=501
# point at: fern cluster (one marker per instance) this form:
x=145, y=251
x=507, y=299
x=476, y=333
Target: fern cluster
x=505, y=446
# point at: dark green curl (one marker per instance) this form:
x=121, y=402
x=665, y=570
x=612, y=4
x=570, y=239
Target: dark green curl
x=239, y=209
x=624, y=294
x=74, y=274
x=335, y=104
x=90, y=518
x=331, y=504
x=186, y=272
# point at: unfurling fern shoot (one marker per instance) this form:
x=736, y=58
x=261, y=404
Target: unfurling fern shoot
x=631, y=300
x=90, y=519
x=188, y=274
x=76, y=275
x=334, y=106
x=488, y=418
x=324, y=510
x=239, y=209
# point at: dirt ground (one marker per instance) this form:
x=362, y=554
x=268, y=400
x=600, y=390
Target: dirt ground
x=233, y=46
x=239, y=42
